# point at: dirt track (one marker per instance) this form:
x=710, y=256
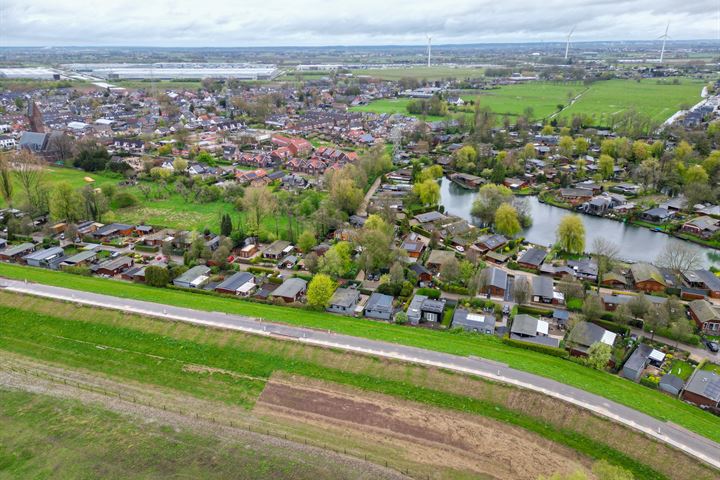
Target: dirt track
x=433, y=437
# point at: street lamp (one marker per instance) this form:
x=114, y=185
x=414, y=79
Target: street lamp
x=652, y=333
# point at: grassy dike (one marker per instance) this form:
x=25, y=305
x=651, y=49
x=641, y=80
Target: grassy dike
x=155, y=352
x=609, y=386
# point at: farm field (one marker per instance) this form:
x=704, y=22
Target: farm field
x=420, y=73
x=643, y=399
x=600, y=100
x=232, y=377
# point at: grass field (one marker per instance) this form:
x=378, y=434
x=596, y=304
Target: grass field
x=46, y=437
x=681, y=369
x=612, y=387
x=155, y=352
x=422, y=73
x=171, y=212
x=600, y=100
x=391, y=105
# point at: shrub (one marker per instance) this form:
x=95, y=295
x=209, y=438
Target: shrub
x=529, y=310
x=650, y=381
x=555, y=352
x=156, y=276
x=261, y=270
x=124, y=200
x=613, y=327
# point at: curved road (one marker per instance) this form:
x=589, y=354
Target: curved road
x=692, y=443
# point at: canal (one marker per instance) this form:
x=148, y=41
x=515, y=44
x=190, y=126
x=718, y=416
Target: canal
x=636, y=244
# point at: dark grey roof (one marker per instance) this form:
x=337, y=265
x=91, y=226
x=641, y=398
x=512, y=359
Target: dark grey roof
x=673, y=381
x=290, y=288
x=586, y=333
x=481, y=322
x=542, y=286
x=436, y=306
x=193, y=273
x=639, y=357
x=112, y=264
x=46, y=253
x=710, y=280
x=81, y=256
x=524, y=325
x=547, y=341
x=705, y=383
x=430, y=217
x=497, y=278
x=345, y=297
x=380, y=302
x=533, y=256
x=236, y=281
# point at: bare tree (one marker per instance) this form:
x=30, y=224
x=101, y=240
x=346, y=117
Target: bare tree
x=29, y=170
x=606, y=253
x=63, y=146
x=6, y=183
x=679, y=258
x=521, y=290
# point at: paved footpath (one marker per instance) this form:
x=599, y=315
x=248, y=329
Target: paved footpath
x=693, y=444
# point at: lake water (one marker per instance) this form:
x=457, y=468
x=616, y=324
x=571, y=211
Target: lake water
x=636, y=244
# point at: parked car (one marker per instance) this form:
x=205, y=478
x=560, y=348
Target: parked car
x=712, y=346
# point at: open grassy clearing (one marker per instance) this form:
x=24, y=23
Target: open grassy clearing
x=232, y=368
x=47, y=437
x=421, y=73
x=391, y=106
x=171, y=212
x=600, y=100
x=646, y=400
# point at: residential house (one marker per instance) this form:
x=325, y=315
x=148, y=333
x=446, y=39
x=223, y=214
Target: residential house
x=656, y=215
x=15, y=252
x=196, y=277
x=248, y=251
x=474, y=322
x=637, y=362
x=496, y=282
x=543, y=291
x=109, y=232
x=438, y=258
x=585, y=334
x=706, y=316
x=240, y=283
x=705, y=280
x=671, y=384
x=647, y=277
x=113, y=266
x=576, y=196
x=584, y=268
x=43, y=258
x=488, y=243
x=291, y=290
x=423, y=274
x=278, y=249
x=379, y=306
x=423, y=309
x=612, y=279
x=704, y=226
x=532, y=258
x=526, y=328
x=612, y=301
x=344, y=301
x=703, y=389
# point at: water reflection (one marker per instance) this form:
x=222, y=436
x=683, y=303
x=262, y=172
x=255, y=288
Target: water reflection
x=636, y=244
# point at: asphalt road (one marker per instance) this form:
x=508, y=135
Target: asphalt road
x=694, y=444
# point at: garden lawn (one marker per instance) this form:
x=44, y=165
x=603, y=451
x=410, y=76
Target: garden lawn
x=681, y=369
x=609, y=386
x=713, y=367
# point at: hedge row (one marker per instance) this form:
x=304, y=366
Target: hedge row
x=613, y=327
x=554, y=351
x=261, y=270
x=530, y=310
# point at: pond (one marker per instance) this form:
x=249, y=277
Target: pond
x=636, y=244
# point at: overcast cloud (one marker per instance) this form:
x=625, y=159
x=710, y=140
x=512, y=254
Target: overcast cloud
x=241, y=23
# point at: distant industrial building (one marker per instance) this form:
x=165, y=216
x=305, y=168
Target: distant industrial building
x=171, y=71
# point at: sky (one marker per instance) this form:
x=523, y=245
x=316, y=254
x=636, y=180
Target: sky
x=240, y=23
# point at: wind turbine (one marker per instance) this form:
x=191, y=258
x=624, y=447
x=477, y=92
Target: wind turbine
x=429, y=48
x=567, y=43
x=664, y=39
